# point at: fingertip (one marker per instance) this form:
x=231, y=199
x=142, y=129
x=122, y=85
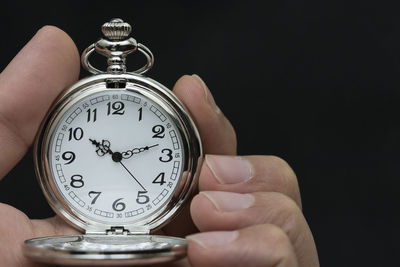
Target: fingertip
x=207, y=94
x=217, y=133
x=190, y=92
x=193, y=89
x=50, y=55
x=56, y=38
x=52, y=31
x=212, y=239
x=258, y=245
x=210, y=248
x=55, y=33
x=199, y=207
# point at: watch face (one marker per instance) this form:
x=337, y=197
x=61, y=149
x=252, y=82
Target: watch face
x=116, y=156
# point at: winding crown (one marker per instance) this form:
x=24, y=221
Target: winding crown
x=116, y=29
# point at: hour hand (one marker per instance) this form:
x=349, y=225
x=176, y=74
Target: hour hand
x=129, y=153
x=102, y=148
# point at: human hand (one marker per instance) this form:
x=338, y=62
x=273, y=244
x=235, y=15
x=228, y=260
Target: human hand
x=248, y=209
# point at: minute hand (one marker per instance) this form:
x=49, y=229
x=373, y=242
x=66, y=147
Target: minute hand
x=129, y=153
x=133, y=176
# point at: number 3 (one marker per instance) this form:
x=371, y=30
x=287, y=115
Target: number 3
x=169, y=155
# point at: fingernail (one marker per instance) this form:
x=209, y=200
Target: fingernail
x=209, y=98
x=214, y=239
x=229, y=169
x=228, y=201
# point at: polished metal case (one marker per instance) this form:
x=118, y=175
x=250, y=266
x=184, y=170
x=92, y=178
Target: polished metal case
x=107, y=244
x=141, y=85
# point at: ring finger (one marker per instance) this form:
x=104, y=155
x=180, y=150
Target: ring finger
x=222, y=211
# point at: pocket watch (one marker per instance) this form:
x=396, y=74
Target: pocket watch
x=116, y=156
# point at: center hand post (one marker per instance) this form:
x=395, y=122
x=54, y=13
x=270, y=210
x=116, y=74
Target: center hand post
x=104, y=148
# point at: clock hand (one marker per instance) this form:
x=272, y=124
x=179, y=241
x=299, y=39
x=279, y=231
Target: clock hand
x=102, y=148
x=129, y=153
x=133, y=176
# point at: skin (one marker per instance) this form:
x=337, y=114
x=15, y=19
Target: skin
x=231, y=222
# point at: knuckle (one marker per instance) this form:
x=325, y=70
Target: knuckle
x=279, y=242
x=275, y=235
x=282, y=210
x=290, y=213
x=282, y=167
x=277, y=175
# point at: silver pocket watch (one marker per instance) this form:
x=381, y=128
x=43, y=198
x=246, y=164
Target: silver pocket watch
x=116, y=156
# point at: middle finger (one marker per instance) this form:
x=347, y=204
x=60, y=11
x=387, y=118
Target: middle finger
x=249, y=174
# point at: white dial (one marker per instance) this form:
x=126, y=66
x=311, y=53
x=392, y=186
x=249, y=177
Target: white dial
x=116, y=156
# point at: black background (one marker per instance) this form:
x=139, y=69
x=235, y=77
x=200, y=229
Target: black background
x=314, y=82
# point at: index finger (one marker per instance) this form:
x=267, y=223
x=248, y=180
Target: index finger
x=217, y=133
x=42, y=69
